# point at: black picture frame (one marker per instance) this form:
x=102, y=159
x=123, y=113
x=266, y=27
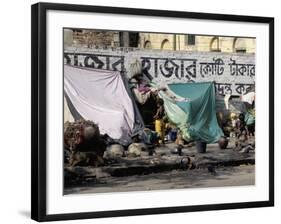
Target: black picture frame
x=39, y=114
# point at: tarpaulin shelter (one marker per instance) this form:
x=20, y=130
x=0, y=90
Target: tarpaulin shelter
x=249, y=103
x=195, y=113
x=103, y=97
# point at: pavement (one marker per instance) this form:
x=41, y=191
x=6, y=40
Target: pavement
x=230, y=176
x=163, y=160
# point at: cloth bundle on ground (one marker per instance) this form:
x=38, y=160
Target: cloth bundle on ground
x=103, y=97
x=195, y=116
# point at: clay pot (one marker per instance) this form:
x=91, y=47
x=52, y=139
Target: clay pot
x=223, y=142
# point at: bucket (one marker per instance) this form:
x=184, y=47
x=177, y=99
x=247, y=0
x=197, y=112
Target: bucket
x=173, y=135
x=201, y=146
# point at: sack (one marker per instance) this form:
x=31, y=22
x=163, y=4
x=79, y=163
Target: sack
x=148, y=136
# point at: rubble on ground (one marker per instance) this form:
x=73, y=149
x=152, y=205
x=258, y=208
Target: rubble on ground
x=83, y=143
x=136, y=149
x=114, y=151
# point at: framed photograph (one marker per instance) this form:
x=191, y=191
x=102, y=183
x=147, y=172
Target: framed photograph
x=141, y=111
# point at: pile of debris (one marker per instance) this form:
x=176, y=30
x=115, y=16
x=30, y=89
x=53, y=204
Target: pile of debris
x=83, y=144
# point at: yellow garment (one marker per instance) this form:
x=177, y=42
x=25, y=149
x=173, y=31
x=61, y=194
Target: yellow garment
x=160, y=128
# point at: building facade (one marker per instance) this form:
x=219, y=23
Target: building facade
x=190, y=42
x=159, y=41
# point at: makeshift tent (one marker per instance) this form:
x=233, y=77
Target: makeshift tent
x=103, y=97
x=196, y=115
x=249, y=97
x=250, y=117
x=67, y=115
x=249, y=104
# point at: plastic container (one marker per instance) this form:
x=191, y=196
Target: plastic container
x=173, y=135
x=201, y=146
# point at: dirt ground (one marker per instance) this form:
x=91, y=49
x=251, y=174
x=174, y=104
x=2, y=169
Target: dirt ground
x=198, y=178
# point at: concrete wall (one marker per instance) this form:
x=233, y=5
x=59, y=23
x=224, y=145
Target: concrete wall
x=233, y=73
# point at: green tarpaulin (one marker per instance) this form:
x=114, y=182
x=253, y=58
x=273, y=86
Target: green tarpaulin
x=195, y=116
x=250, y=117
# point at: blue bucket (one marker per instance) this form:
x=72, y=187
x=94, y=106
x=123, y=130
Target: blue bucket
x=173, y=135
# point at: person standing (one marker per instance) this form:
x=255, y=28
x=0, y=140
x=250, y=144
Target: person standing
x=159, y=123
